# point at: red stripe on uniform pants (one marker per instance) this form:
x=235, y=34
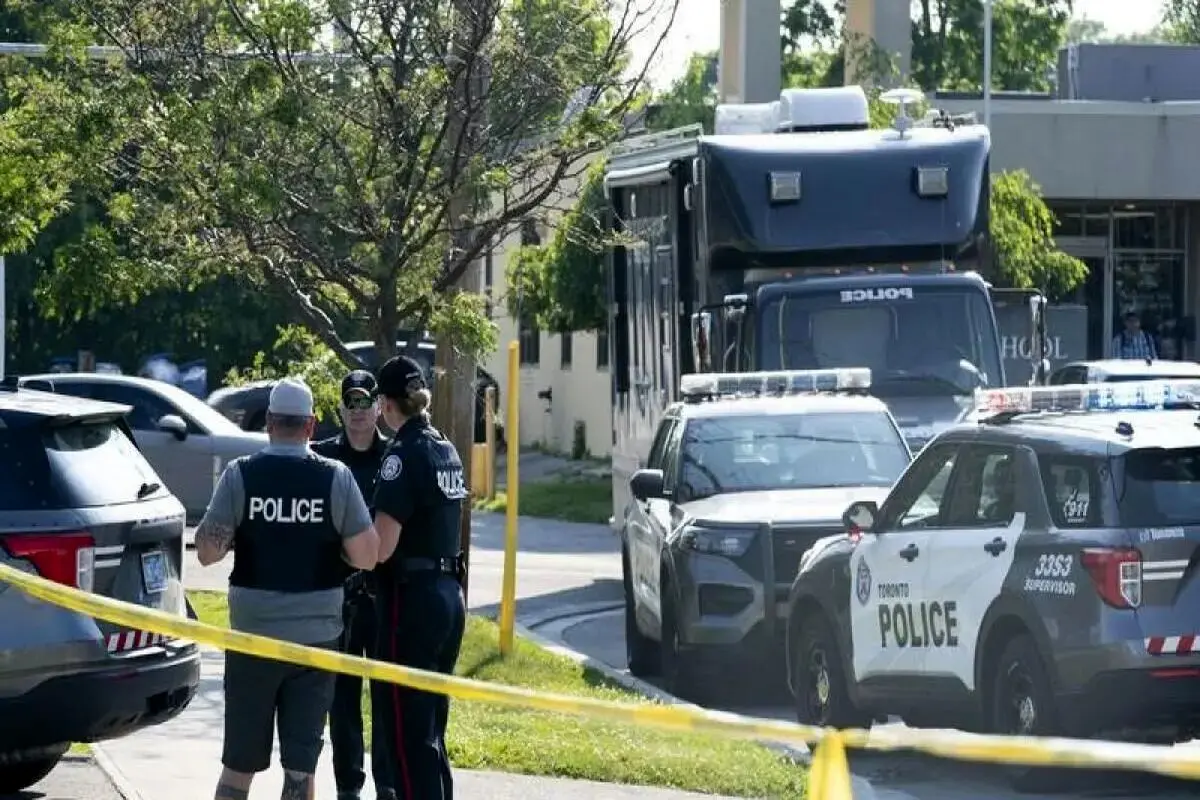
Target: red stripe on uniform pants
x=397, y=714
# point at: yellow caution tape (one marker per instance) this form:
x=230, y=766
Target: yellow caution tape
x=829, y=761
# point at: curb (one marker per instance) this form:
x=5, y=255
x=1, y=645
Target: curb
x=566, y=612
x=644, y=688
x=115, y=776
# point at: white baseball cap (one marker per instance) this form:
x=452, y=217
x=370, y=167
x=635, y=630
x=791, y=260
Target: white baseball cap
x=291, y=397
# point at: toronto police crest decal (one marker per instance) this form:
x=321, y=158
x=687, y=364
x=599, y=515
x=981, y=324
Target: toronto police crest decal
x=391, y=468
x=862, y=582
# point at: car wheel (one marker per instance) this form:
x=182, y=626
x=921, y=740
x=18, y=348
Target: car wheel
x=819, y=681
x=1021, y=703
x=681, y=670
x=21, y=775
x=641, y=652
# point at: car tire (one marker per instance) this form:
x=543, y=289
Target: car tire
x=641, y=652
x=682, y=671
x=19, y=776
x=1021, y=702
x=819, y=680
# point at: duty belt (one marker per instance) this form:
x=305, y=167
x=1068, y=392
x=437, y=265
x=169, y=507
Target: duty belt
x=449, y=566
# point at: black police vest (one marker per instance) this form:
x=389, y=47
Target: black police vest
x=433, y=530
x=287, y=541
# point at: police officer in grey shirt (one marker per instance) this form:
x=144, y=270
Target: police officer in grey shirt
x=290, y=517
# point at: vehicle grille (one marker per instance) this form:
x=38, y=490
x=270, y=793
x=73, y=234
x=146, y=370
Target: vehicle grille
x=791, y=542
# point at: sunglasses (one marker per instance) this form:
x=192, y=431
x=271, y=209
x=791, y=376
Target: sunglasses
x=358, y=402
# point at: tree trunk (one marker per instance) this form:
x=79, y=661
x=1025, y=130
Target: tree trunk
x=454, y=401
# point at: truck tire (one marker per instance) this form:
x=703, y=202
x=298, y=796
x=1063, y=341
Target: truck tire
x=17, y=777
x=641, y=652
x=682, y=672
x=1020, y=702
x=819, y=678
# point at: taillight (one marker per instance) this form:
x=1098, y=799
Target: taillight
x=1117, y=573
x=66, y=558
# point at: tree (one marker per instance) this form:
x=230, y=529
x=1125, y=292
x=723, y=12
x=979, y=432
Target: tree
x=564, y=284
x=947, y=43
x=1181, y=21
x=331, y=178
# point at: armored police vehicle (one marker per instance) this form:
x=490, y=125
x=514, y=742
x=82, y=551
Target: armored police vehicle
x=1034, y=573
x=817, y=243
x=744, y=475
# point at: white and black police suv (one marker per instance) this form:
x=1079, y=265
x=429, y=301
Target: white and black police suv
x=1037, y=572
x=743, y=477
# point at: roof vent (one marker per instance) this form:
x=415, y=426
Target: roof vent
x=823, y=109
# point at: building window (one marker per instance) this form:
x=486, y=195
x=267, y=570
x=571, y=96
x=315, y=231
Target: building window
x=530, y=342
x=566, y=353
x=602, y=349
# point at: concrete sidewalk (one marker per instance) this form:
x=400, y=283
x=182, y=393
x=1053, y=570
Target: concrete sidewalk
x=182, y=759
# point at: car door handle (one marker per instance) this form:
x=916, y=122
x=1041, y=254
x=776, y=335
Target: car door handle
x=996, y=546
x=910, y=552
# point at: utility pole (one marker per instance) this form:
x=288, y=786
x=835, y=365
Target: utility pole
x=454, y=403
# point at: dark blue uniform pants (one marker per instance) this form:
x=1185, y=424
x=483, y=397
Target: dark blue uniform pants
x=424, y=621
x=345, y=716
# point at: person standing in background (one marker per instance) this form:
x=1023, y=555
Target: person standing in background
x=290, y=517
x=1133, y=342
x=360, y=447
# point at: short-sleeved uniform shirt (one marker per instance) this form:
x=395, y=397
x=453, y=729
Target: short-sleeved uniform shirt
x=422, y=486
x=364, y=464
x=300, y=617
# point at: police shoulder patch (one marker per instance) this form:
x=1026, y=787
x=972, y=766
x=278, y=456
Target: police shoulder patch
x=391, y=468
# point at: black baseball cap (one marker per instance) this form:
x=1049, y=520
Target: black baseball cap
x=358, y=382
x=400, y=377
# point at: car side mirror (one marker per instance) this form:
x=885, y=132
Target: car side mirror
x=174, y=425
x=647, y=484
x=860, y=516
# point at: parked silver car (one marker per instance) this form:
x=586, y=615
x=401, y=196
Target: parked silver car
x=186, y=441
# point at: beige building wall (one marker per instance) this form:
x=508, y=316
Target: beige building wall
x=578, y=387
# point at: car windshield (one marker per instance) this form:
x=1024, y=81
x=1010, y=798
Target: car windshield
x=789, y=451
x=1161, y=488
x=919, y=341
x=204, y=415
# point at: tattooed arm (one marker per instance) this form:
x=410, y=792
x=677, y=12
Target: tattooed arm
x=214, y=537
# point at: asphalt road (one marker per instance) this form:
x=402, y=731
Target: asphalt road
x=559, y=566
x=601, y=636
x=75, y=778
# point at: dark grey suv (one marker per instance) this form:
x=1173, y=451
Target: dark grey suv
x=79, y=505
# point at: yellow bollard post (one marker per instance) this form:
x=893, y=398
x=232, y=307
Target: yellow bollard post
x=508, y=589
x=489, y=438
x=829, y=774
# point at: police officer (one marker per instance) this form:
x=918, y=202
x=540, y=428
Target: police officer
x=291, y=518
x=361, y=447
x=418, y=508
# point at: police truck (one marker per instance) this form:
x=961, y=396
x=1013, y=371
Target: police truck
x=796, y=238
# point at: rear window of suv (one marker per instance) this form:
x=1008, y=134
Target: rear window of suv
x=1160, y=487
x=74, y=466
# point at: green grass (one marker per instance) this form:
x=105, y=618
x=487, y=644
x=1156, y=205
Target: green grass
x=575, y=500
x=486, y=736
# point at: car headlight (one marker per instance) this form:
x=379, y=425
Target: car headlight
x=717, y=541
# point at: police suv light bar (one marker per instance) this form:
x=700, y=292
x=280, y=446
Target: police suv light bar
x=1131, y=396
x=712, y=384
